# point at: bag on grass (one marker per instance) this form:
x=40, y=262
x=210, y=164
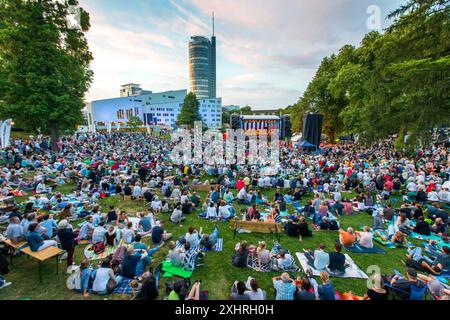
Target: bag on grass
x=98, y=247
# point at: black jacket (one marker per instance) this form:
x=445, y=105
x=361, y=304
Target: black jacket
x=66, y=238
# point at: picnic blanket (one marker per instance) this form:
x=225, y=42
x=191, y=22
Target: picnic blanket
x=89, y=253
x=124, y=287
x=217, y=248
x=353, y=271
x=390, y=244
x=171, y=271
x=356, y=248
x=253, y=264
x=422, y=237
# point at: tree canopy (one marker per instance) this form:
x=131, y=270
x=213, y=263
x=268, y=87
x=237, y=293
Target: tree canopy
x=44, y=65
x=190, y=111
x=396, y=82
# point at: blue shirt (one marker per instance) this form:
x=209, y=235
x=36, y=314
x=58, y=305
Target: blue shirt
x=49, y=224
x=145, y=224
x=34, y=240
x=15, y=231
x=321, y=259
x=285, y=291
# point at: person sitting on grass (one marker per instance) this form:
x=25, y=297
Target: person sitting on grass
x=402, y=286
x=240, y=258
x=304, y=290
x=325, y=290
x=145, y=224
x=159, y=234
x=193, y=236
x=304, y=230
x=320, y=259
x=438, y=227
x=262, y=254
x=328, y=224
x=337, y=264
x=365, y=238
x=347, y=238
x=102, y=277
x=422, y=227
x=284, y=260
x=98, y=235
x=35, y=240
x=238, y=291
x=284, y=287
x=377, y=292
x=255, y=292
x=175, y=255
x=211, y=212
x=86, y=230
x=128, y=233
x=253, y=214
x=209, y=241
x=177, y=215
x=225, y=210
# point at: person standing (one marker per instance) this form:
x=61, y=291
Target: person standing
x=67, y=237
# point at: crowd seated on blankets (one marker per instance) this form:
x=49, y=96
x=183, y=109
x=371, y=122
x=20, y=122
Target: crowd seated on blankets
x=307, y=288
x=136, y=168
x=261, y=259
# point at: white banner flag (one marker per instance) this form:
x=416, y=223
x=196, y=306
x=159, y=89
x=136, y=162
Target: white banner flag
x=5, y=133
x=118, y=126
x=109, y=127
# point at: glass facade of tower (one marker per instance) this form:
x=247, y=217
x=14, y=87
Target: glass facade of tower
x=202, y=67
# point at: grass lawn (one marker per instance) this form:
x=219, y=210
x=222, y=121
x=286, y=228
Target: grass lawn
x=217, y=274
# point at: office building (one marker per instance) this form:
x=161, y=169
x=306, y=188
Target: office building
x=202, y=66
x=154, y=109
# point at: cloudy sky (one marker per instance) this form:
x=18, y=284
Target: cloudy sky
x=268, y=50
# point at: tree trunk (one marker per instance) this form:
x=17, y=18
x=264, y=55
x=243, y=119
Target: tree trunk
x=54, y=135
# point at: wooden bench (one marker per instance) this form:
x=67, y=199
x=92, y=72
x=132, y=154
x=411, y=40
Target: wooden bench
x=255, y=226
x=202, y=187
x=13, y=247
x=44, y=255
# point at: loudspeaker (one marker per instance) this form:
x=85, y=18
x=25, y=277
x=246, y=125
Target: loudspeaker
x=235, y=121
x=312, y=128
x=286, y=126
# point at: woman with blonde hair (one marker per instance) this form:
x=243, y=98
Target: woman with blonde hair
x=325, y=290
x=263, y=255
x=377, y=292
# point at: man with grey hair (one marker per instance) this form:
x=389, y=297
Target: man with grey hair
x=284, y=287
x=15, y=232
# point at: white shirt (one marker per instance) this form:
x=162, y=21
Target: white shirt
x=242, y=194
x=211, y=212
x=255, y=295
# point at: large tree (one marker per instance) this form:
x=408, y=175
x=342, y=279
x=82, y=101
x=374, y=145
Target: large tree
x=189, y=112
x=44, y=64
x=393, y=83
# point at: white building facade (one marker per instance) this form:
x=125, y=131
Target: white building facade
x=154, y=109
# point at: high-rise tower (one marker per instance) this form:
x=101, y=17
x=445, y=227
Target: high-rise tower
x=202, y=66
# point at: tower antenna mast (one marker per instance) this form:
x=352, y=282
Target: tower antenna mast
x=213, y=22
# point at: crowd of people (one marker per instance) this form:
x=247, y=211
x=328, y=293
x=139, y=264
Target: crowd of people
x=406, y=197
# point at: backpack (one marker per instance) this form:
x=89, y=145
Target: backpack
x=98, y=247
